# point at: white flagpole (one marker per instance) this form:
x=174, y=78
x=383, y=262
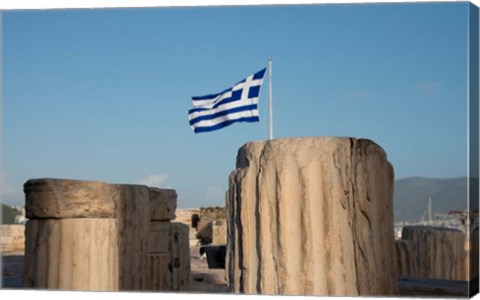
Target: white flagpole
x=270, y=96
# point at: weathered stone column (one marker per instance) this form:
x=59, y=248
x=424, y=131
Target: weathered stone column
x=407, y=258
x=169, y=244
x=71, y=237
x=435, y=252
x=86, y=235
x=132, y=210
x=311, y=216
x=180, y=249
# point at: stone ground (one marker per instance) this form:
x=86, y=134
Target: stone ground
x=205, y=280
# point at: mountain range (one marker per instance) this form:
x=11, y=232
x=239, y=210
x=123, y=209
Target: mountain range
x=411, y=196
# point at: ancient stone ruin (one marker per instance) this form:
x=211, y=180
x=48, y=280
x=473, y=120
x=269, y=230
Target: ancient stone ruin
x=311, y=216
x=12, y=238
x=304, y=216
x=93, y=236
x=207, y=225
x=169, y=244
x=211, y=225
x=435, y=252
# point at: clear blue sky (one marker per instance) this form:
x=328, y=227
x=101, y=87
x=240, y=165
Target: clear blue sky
x=103, y=94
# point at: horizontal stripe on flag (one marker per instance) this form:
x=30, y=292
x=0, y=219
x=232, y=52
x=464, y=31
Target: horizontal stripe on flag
x=221, y=119
x=231, y=95
x=253, y=92
x=236, y=96
x=207, y=104
x=194, y=112
x=222, y=113
x=225, y=124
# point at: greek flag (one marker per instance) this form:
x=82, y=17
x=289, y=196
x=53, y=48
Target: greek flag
x=236, y=104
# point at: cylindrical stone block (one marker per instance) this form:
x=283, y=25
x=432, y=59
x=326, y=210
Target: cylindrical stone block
x=132, y=209
x=71, y=237
x=407, y=258
x=72, y=254
x=311, y=216
x=439, y=252
x=63, y=198
x=161, y=267
x=86, y=235
x=181, y=257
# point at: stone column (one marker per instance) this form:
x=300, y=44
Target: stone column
x=311, y=216
x=132, y=209
x=407, y=259
x=86, y=235
x=180, y=250
x=71, y=236
x=169, y=244
x=438, y=252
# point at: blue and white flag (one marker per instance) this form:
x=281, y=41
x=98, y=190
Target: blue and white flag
x=236, y=104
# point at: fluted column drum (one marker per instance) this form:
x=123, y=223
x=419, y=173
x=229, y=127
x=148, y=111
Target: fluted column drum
x=434, y=252
x=311, y=216
x=71, y=236
x=132, y=209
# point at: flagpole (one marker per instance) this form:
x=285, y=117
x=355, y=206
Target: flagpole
x=270, y=97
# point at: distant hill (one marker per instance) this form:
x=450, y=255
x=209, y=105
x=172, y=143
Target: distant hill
x=411, y=196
